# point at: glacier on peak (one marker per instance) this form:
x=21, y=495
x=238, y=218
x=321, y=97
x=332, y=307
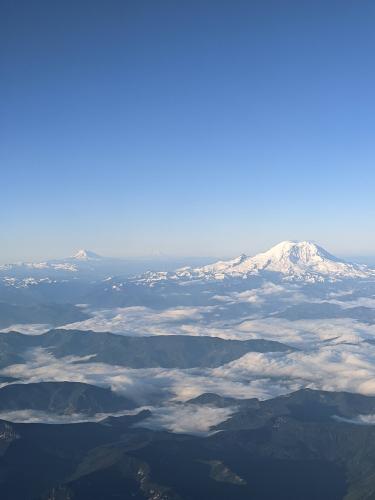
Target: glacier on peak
x=293, y=259
x=302, y=261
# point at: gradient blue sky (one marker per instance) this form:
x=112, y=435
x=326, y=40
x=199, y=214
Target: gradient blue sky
x=188, y=128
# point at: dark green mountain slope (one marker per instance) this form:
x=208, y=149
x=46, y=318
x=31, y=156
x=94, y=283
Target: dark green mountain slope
x=167, y=351
x=50, y=314
x=62, y=398
x=297, y=451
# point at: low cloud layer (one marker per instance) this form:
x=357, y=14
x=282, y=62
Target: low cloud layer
x=189, y=419
x=28, y=329
x=35, y=416
x=333, y=354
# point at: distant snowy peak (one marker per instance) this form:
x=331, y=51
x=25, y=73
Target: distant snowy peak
x=302, y=260
x=84, y=255
x=25, y=274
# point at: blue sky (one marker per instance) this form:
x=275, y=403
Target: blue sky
x=187, y=128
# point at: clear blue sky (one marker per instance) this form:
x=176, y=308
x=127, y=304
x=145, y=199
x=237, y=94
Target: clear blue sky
x=190, y=128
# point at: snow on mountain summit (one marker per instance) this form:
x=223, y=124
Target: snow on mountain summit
x=295, y=260
x=301, y=261
x=84, y=254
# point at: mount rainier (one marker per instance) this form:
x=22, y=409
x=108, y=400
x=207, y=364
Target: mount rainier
x=289, y=260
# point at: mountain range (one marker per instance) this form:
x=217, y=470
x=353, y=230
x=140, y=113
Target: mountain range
x=167, y=351
x=48, y=293
x=289, y=260
x=301, y=446
x=219, y=360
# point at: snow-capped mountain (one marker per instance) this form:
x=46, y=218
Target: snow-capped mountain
x=86, y=255
x=84, y=265
x=289, y=260
x=25, y=274
x=300, y=260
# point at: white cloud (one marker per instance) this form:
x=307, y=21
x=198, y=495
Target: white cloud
x=307, y=333
x=189, y=419
x=36, y=416
x=28, y=329
x=142, y=320
x=334, y=368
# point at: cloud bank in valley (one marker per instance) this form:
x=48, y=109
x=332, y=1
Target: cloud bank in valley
x=333, y=353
